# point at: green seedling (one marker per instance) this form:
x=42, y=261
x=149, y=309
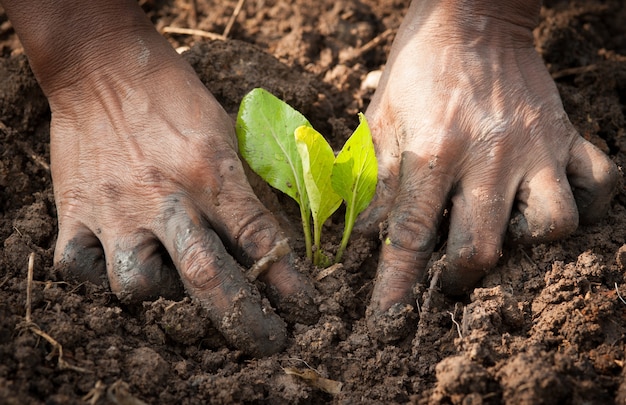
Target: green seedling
x=282, y=147
x=317, y=164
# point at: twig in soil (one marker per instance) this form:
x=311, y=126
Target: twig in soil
x=95, y=393
x=349, y=56
x=458, y=327
x=26, y=148
x=301, y=361
x=433, y=285
x=206, y=34
x=275, y=254
x=63, y=365
x=328, y=271
x=233, y=18
x=527, y=257
x=16, y=229
x=34, y=157
x=29, y=286
x=313, y=378
x=618, y=294
x=189, y=31
x=29, y=325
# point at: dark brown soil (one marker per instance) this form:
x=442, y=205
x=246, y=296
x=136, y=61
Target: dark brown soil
x=547, y=326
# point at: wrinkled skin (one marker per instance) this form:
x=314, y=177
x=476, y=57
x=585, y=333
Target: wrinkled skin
x=467, y=116
x=147, y=182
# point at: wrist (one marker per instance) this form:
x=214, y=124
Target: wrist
x=472, y=22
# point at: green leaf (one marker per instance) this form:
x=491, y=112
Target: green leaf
x=317, y=164
x=265, y=132
x=354, y=176
x=265, y=128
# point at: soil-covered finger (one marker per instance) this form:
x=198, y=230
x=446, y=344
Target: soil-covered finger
x=594, y=178
x=139, y=269
x=79, y=255
x=210, y=274
x=408, y=243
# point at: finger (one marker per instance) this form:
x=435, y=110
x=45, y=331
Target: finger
x=593, y=177
x=408, y=244
x=78, y=253
x=252, y=233
x=546, y=208
x=139, y=269
x=211, y=275
x=478, y=223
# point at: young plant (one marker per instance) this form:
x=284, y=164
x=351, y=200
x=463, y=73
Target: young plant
x=282, y=147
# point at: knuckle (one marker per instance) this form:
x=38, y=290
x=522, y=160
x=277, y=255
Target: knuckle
x=412, y=232
x=201, y=270
x=255, y=231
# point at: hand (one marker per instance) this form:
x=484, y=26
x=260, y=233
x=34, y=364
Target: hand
x=150, y=191
x=467, y=114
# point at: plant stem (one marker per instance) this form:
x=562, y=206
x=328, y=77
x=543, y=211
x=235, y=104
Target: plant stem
x=317, y=237
x=305, y=213
x=349, y=224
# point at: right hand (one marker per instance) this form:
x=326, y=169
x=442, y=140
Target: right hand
x=467, y=117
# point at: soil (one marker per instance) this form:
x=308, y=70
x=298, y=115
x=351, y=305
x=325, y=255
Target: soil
x=548, y=325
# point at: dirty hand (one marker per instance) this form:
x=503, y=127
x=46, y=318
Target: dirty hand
x=147, y=182
x=466, y=114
